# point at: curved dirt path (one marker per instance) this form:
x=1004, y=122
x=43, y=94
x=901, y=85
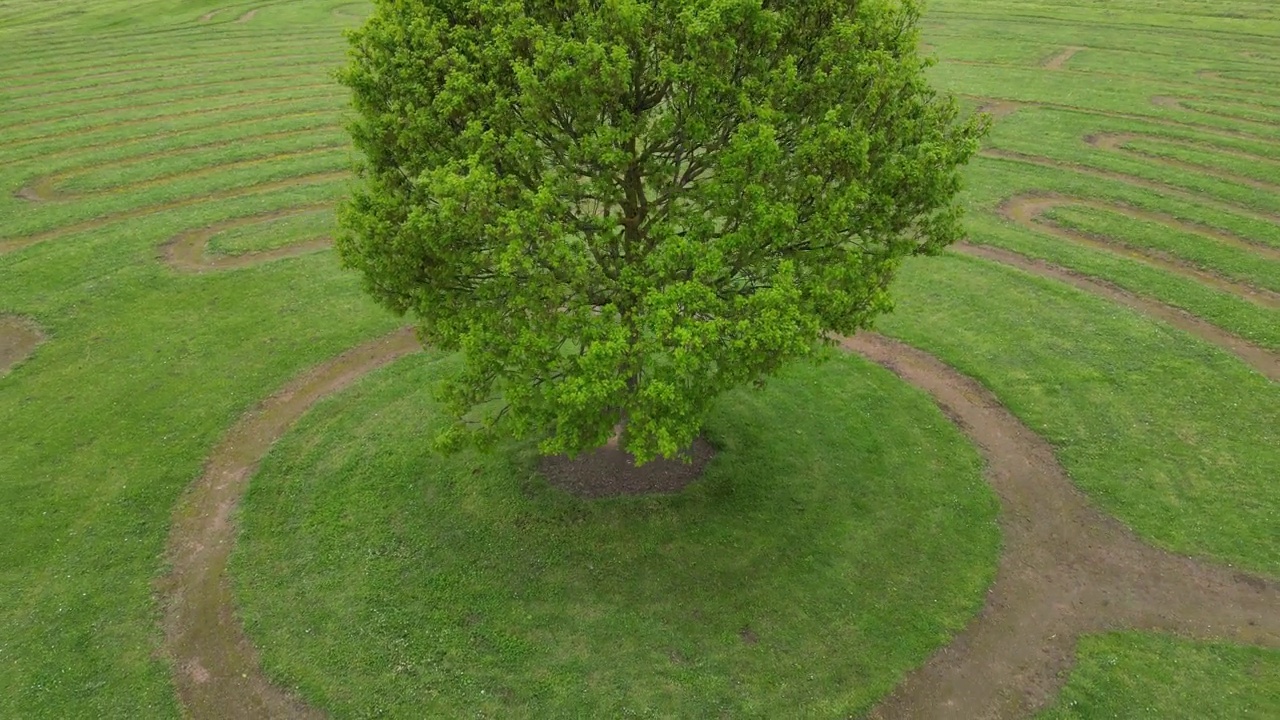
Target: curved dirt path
x=186, y=252
x=8, y=245
x=1056, y=62
x=1158, y=120
x=1180, y=103
x=1066, y=569
x=1259, y=358
x=247, y=16
x=216, y=668
x=1029, y=212
x=18, y=340
x=48, y=188
x=210, y=15
x=1119, y=142
x=1134, y=180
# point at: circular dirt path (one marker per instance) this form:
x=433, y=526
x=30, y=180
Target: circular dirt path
x=216, y=668
x=1065, y=569
x=18, y=339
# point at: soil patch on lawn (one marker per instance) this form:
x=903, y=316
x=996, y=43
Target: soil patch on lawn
x=610, y=471
x=18, y=339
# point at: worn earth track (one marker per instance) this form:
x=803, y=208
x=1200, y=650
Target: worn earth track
x=48, y=188
x=1056, y=61
x=1008, y=106
x=187, y=251
x=1121, y=142
x=1259, y=358
x=12, y=244
x=18, y=339
x=1134, y=180
x=215, y=666
x=1066, y=569
x=1029, y=211
x=1180, y=103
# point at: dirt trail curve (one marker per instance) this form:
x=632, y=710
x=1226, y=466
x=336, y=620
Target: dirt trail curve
x=18, y=339
x=1056, y=62
x=17, y=243
x=1120, y=142
x=1066, y=569
x=1029, y=212
x=216, y=667
x=186, y=252
x=1259, y=358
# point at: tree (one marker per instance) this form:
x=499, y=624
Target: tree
x=618, y=209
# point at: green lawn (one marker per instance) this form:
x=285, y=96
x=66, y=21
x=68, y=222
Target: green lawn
x=1133, y=676
x=842, y=533
x=139, y=121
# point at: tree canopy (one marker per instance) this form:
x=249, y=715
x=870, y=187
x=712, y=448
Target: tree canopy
x=618, y=209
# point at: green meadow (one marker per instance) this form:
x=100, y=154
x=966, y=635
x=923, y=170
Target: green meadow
x=842, y=535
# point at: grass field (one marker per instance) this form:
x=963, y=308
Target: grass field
x=166, y=174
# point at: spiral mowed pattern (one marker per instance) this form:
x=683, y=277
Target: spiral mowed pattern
x=163, y=232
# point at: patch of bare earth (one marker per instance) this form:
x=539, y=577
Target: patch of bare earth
x=18, y=339
x=1055, y=62
x=610, y=471
x=216, y=668
x=999, y=109
x=1066, y=569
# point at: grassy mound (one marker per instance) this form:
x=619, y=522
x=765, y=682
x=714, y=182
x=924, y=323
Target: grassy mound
x=842, y=533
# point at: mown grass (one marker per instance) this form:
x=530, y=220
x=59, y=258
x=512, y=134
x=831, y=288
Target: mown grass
x=993, y=180
x=842, y=533
x=1172, y=435
x=1233, y=262
x=145, y=368
x=1136, y=676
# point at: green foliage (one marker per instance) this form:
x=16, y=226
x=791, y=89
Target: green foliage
x=619, y=210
